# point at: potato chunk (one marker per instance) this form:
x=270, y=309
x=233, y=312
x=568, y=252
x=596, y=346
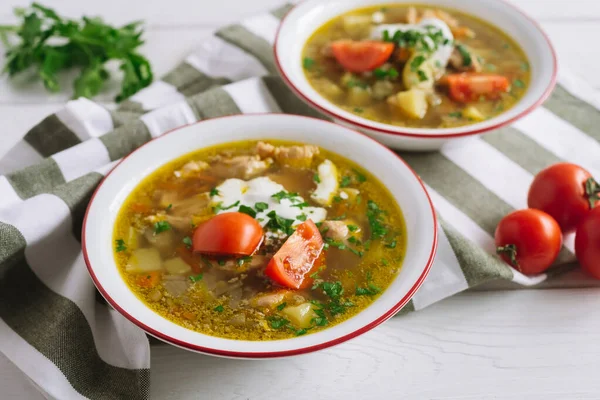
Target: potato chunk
x=473, y=113
x=412, y=103
x=176, y=266
x=144, y=260
x=300, y=315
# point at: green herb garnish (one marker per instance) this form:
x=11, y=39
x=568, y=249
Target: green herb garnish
x=293, y=197
x=51, y=44
x=524, y=66
x=381, y=73
x=196, y=278
x=301, y=217
x=214, y=192
x=360, y=178
x=261, y=206
x=356, y=83
x=188, y=242
x=455, y=114
x=169, y=207
x=161, y=226
x=352, y=228
x=346, y=181
x=281, y=306
x=422, y=75
x=519, y=83
x=242, y=260
x=374, y=215
x=247, y=210
x=308, y=63
x=358, y=110
x=316, y=178
x=219, y=308
x=120, y=245
x=279, y=223
x=466, y=55
x=416, y=62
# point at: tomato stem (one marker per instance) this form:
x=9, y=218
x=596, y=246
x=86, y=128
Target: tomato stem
x=592, y=191
x=509, y=250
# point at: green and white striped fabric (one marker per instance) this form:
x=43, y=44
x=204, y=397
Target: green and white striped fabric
x=58, y=331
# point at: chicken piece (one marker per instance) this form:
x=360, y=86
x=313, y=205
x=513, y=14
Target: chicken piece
x=411, y=16
x=194, y=205
x=294, y=156
x=336, y=230
x=191, y=168
x=464, y=61
x=265, y=150
x=243, y=167
x=269, y=300
x=182, y=224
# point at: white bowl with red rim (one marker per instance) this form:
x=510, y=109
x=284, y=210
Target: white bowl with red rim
x=305, y=18
x=404, y=185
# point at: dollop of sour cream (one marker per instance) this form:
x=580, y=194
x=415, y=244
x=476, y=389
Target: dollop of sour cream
x=261, y=190
x=443, y=52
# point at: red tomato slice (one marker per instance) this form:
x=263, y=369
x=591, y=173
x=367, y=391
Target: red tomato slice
x=587, y=243
x=529, y=240
x=471, y=86
x=228, y=234
x=361, y=56
x=297, y=257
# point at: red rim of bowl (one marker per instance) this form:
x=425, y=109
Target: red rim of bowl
x=239, y=354
x=474, y=131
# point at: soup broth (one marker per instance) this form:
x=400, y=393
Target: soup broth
x=352, y=231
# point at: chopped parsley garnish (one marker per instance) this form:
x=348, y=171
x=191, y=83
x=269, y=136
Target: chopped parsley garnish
x=219, y=207
x=384, y=261
x=277, y=322
x=187, y=241
x=281, y=306
x=416, y=62
x=279, y=223
x=214, y=192
x=519, y=83
x=219, y=308
x=422, y=75
x=196, y=278
x=242, y=260
x=339, y=218
x=358, y=110
x=301, y=205
x=308, y=62
x=360, y=178
x=374, y=214
x=358, y=199
x=337, y=199
x=391, y=245
x=506, y=46
x=354, y=240
x=466, y=55
x=370, y=290
x=247, y=210
x=381, y=73
x=316, y=178
x=301, y=217
x=352, y=228
x=161, y=226
x=120, y=245
x=261, y=206
x=346, y=181
x=333, y=290
x=455, y=114
x=221, y=262
x=421, y=41
x=293, y=197
x=356, y=83
x=169, y=207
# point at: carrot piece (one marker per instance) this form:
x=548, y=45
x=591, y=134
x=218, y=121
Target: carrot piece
x=148, y=279
x=141, y=208
x=189, y=315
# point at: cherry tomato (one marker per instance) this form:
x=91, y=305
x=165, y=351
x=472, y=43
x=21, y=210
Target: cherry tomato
x=587, y=243
x=468, y=87
x=565, y=191
x=361, y=56
x=297, y=257
x=228, y=234
x=529, y=240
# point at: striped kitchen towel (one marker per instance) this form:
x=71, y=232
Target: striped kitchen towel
x=53, y=325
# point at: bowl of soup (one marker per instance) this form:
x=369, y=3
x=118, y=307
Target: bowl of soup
x=259, y=235
x=416, y=76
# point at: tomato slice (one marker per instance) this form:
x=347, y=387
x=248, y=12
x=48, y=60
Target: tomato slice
x=297, y=257
x=361, y=56
x=228, y=234
x=469, y=87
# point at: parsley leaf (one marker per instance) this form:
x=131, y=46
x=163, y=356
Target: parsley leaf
x=279, y=223
x=316, y=178
x=360, y=178
x=219, y=308
x=374, y=216
x=301, y=217
x=51, y=43
x=120, y=245
x=455, y=114
x=247, y=210
x=242, y=260
x=308, y=62
x=292, y=197
x=346, y=181
x=196, y=278
x=261, y=206
x=416, y=62
x=281, y=306
x=277, y=322
x=519, y=83
x=161, y=226
x=352, y=228
x=214, y=192
x=188, y=242
x=466, y=55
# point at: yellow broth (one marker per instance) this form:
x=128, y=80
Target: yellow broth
x=493, y=50
x=232, y=298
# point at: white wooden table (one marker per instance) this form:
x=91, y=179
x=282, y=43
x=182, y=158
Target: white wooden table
x=532, y=345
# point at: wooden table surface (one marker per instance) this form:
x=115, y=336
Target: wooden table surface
x=526, y=344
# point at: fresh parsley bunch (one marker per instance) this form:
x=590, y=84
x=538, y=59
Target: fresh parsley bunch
x=52, y=43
